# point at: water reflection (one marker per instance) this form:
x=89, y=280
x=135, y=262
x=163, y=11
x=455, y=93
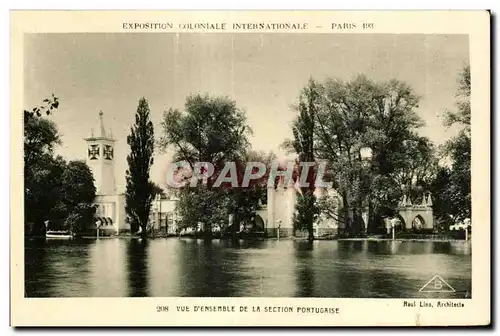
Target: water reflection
x=164, y=268
x=305, y=271
x=107, y=265
x=209, y=269
x=267, y=268
x=137, y=268
x=35, y=268
x=56, y=268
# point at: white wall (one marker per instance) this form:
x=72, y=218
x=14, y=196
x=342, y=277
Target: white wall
x=102, y=169
x=112, y=206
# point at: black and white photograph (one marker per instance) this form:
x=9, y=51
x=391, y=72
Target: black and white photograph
x=260, y=162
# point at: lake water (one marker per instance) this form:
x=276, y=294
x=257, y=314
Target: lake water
x=268, y=268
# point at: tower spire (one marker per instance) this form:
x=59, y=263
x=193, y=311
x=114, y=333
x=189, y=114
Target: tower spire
x=101, y=125
x=100, y=158
x=429, y=200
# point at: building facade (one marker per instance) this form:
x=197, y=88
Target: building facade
x=281, y=202
x=416, y=216
x=163, y=216
x=110, y=213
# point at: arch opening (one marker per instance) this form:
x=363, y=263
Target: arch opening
x=418, y=223
x=402, y=223
x=258, y=223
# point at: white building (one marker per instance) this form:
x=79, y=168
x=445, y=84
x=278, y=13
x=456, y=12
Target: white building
x=111, y=203
x=163, y=217
x=280, y=210
x=100, y=158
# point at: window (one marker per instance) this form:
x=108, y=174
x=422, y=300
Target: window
x=163, y=219
x=170, y=219
x=100, y=210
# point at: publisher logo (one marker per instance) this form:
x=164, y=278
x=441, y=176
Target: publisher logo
x=437, y=285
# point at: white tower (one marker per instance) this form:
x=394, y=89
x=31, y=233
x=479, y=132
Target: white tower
x=100, y=158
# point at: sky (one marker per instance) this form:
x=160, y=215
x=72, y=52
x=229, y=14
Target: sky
x=263, y=73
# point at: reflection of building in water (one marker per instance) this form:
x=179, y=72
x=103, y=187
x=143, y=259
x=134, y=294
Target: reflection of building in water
x=108, y=268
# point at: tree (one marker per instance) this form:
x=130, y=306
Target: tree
x=40, y=138
x=303, y=144
x=59, y=192
x=42, y=185
x=307, y=211
x=461, y=115
x=454, y=199
x=77, y=196
x=414, y=165
x=362, y=114
x=243, y=202
x=328, y=206
x=157, y=190
x=40, y=134
x=258, y=187
x=460, y=186
x=443, y=204
x=139, y=188
x=42, y=171
x=209, y=130
x=191, y=205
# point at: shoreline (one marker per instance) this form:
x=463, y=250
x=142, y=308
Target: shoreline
x=406, y=239
x=270, y=238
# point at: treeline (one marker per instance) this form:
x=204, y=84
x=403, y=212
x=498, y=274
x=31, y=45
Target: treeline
x=366, y=131
x=213, y=129
x=452, y=182
x=58, y=195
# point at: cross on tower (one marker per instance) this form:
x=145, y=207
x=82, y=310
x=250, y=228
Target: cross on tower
x=93, y=152
x=108, y=152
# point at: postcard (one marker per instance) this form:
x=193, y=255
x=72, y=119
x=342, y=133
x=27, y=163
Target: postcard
x=250, y=168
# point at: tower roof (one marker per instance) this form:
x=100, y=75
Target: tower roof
x=99, y=131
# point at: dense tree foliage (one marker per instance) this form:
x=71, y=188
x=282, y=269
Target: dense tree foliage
x=215, y=205
x=56, y=192
x=303, y=144
x=359, y=115
x=367, y=132
x=307, y=211
x=209, y=130
x=244, y=201
x=140, y=190
x=42, y=197
x=462, y=114
x=379, y=117
x=77, y=195
x=453, y=184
